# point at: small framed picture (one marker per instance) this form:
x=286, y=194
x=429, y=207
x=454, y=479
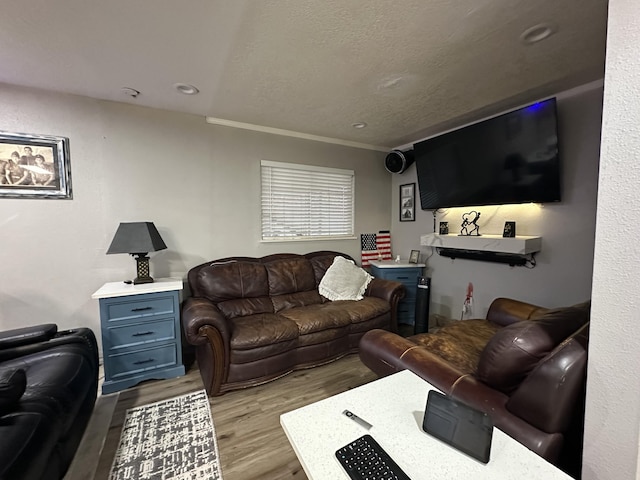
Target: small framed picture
x=407, y=202
x=509, y=230
x=444, y=228
x=415, y=256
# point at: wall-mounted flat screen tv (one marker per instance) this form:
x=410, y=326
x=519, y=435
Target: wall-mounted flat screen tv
x=512, y=158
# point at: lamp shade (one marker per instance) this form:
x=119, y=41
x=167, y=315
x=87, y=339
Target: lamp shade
x=136, y=237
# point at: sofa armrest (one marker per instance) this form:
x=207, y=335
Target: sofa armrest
x=482, y=397
x=390, y=291
x=386, y=353
x=27, y=335
x=200, y=312
x=505, y=311
x=386, y=289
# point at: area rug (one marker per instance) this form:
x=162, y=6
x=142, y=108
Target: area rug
x=169, y=440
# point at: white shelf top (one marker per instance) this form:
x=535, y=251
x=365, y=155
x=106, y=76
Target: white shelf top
x=520, y=245
x=121, y=289
x=394, y=264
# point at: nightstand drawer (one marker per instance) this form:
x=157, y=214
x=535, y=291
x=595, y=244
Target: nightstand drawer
x=136, y=334
x=143, y=360
x=134, y=307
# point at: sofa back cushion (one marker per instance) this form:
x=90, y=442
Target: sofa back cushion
x=290, y=275
x=516, y=349
x=221, y=281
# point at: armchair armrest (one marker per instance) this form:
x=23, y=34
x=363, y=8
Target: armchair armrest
x=80, y=336
x=27, y=335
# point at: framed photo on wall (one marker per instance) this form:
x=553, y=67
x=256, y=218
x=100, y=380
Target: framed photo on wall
x=408, y=202
x=34, y=166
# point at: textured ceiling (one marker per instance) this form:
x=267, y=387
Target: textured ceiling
x=408, y=68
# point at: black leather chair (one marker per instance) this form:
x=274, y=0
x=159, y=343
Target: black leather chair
x=48, y=388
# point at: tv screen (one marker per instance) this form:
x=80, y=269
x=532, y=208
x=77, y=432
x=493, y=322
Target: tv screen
x=512, y=158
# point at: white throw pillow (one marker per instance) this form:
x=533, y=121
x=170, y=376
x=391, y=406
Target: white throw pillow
x=344, y=280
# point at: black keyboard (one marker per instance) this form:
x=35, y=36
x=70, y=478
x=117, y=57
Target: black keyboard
x=364, y=459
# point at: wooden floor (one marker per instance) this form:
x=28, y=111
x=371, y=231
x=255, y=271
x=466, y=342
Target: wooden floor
x=251, y=441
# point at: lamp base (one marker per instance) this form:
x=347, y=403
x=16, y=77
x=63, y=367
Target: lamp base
x=142, y=262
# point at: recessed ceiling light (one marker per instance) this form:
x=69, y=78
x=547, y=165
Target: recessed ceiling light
x=131, y=92
x=537, y=33
x=186, y=89
x=359, y=125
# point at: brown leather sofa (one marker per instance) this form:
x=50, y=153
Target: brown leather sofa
x=253, y=320
x=523, y=365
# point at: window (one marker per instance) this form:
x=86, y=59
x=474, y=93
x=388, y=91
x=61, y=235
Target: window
x=303, y=202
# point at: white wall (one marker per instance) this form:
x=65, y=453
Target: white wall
x=612, y=427
x=198, y=183
x=564, y=266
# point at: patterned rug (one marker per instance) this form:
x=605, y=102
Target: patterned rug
x=172, y=439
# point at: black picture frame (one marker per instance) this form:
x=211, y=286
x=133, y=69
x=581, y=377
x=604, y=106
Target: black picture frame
x=34, y=166
x=408, y=202
x=414, y=257
x=509, y=230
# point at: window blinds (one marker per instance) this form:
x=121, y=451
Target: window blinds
x=306, y=202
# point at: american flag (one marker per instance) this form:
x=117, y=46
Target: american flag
x=375, y=246
x=369, y=248
x=383, y=241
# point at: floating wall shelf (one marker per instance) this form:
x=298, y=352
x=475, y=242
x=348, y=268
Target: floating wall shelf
x=489, y=248
x=520, y=245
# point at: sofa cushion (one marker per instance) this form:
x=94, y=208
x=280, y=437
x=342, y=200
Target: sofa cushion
x=260, y=330
x=516, y=349
x=315, y=318
x=344, y=280
x=12, y=386
x=293, y=300
x=365, y=309
x=460, y=343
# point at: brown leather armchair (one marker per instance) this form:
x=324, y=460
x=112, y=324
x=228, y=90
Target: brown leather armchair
x=523, y=365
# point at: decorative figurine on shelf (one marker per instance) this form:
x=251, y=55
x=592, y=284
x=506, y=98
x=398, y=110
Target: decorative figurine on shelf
x=470, y=219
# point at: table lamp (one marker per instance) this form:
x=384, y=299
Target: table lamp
x=137, y=239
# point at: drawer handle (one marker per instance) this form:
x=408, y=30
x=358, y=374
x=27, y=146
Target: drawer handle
x=140, y=362
x=142, y=334
x=403, y=278
x=141, y=309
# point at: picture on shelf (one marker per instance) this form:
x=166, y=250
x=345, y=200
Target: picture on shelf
x=407, y=202
x=414, y=257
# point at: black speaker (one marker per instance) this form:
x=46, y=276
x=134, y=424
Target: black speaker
x=398, y=161
x=423, y=296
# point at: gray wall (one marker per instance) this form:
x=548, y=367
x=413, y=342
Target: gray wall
x=199, y=184
x=564, y=266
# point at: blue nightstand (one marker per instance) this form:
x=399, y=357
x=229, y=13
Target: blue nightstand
x=407, y=274
x=140, y=332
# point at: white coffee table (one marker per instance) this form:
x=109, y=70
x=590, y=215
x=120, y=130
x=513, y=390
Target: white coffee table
x=395, y=406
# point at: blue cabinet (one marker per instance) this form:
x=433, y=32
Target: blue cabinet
x=140, y=332
x=407, y=274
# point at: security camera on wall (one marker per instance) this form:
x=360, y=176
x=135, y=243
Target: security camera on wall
x=398, y=161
